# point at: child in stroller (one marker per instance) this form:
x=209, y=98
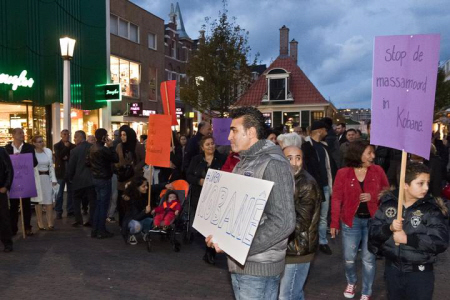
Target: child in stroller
x=167, y=211
x=137, y=217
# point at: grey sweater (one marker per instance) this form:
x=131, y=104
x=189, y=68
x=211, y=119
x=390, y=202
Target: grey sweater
x=267, y=253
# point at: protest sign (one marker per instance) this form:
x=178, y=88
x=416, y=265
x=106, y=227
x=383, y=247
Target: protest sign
x=168, y=99
x=23, y=185
x=158, y=141
x=221, y=130
x=403, y=91
x=231, y=212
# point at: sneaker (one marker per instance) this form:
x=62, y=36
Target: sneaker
x=132, y=240
x=350, y=291
x=325, y=249
x=111, y=220
x=364, y=297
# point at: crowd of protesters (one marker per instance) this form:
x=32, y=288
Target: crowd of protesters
x=328, y=179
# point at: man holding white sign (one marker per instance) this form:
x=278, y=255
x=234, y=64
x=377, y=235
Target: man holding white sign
x=259, y=276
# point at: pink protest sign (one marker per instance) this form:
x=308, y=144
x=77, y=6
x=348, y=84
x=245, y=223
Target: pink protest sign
x=221, y=130
x=403, y=91
x=23, y=185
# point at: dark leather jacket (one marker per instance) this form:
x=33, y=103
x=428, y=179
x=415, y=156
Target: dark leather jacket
x=307, y=200
x=6, y=170
x=425, y=226
x=101, y=160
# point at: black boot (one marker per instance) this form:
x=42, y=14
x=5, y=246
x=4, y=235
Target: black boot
x=210, y=256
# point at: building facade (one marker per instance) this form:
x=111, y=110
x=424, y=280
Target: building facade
x=136, y=62
x=356, y=114
x=284, y=94
x=31, y=66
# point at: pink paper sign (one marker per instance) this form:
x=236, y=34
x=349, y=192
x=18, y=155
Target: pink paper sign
x=221, y=130
x=403, y=91
x=23, y=185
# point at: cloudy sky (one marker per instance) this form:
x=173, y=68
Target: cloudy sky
x=335, y=36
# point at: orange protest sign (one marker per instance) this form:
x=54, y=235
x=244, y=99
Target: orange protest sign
x=168, y=99
x=158, y=141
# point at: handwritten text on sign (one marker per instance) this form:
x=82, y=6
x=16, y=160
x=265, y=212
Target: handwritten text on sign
x=23, y=185
x=230, y=208
x=403, y=91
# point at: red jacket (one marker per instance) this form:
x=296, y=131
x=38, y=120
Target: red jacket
x=346, y=191
x=168, y=207
x=232, y=160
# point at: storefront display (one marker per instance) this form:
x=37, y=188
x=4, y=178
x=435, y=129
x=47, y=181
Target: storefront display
x=86, y=120
x=128, y=74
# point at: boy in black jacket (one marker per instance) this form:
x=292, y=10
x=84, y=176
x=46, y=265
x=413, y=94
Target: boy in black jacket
x=422, y=234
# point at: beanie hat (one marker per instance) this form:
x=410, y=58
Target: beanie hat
x=318, y=125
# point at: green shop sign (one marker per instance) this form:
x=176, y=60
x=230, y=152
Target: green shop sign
x=17, y=81
x=109, y=92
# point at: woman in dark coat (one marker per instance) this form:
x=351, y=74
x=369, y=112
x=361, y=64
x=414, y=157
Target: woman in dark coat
x=196, y=173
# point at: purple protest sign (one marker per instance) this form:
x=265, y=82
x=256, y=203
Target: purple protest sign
x=403, y=91
x=23, y=185
x=221, y=130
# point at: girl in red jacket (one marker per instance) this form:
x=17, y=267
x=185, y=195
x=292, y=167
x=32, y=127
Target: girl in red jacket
x=354, y=201
x=167, y=211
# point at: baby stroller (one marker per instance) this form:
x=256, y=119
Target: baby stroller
x=181, y=188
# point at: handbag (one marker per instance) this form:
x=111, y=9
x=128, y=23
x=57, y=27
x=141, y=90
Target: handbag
x=125, y=172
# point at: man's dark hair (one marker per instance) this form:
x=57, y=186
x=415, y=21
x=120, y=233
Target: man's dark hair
x=351, y=129
x=328, y=121
x=252, y=118
x=200, y=125
x=143, y=136
x=100, y=135
x=64, y=130
x=342, y=124
x=82, y=133
x=413, y=170
x=359, y=131
x=354, y=152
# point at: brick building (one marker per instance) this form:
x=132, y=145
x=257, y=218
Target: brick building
x=284, y=94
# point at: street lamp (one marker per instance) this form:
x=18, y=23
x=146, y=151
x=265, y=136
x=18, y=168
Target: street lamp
x=67, y=46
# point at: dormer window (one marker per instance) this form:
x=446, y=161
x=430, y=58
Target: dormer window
x=277, y=86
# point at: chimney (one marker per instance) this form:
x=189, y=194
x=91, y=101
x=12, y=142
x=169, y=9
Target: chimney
x=293, y=50
x=284, y=40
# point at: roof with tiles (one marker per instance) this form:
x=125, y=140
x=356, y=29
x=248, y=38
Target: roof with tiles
x=302, y=89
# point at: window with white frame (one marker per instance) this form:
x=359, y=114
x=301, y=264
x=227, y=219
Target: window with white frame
x=152, y=41
x=278, y=85
x=128, y=74
x=124, y=28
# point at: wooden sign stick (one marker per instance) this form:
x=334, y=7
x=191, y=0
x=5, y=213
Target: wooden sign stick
x=168, y=110
x=21, y=219
x=150, y=186
x=401, y=193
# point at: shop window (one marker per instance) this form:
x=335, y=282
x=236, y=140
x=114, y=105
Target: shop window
x=126, y=73
x=153, y=80
x=152, y=41
x=291, y=120
x=316, y=115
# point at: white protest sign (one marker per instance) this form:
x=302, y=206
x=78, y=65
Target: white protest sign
x=230, y=208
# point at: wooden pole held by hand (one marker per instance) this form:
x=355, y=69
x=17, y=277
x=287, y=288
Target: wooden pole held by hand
x=150, y=186
x=401, y=193
x=21, y=219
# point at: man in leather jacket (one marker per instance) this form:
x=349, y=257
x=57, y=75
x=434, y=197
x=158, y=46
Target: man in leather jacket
x=304, y=240
x=101, y=160
x=6, y=178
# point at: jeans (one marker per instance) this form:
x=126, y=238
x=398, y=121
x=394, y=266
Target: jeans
x=85, y=194
x=114, y=196
x=255, y=287
x=351, y=237
x=138, y=226
x=408, y=285
x=292, y=281
x=60, y=197
x=323, y=222
x=103, y=190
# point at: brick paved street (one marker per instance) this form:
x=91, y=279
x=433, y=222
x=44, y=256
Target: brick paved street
x=68, y=264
